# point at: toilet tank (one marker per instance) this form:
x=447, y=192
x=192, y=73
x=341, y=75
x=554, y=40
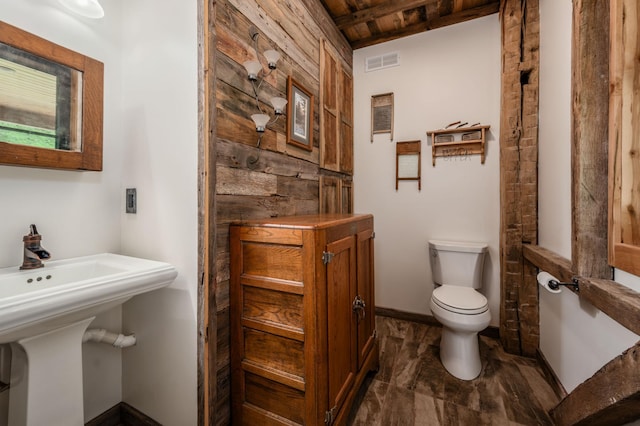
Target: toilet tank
x=457, y=263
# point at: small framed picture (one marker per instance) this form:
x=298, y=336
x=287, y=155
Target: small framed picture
x=408, y=162
x=382, y=114
x=299, y=115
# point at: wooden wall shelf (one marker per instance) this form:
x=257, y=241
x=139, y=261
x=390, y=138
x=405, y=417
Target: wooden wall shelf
x=462, y=142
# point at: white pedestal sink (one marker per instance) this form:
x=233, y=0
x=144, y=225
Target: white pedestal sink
x=45, y=312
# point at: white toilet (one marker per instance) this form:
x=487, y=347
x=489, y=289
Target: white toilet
x=457, y=268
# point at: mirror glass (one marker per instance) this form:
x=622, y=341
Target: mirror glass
x=40, y=101
x=50, y=104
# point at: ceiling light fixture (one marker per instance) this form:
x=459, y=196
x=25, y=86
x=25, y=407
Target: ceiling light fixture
x=87, y=8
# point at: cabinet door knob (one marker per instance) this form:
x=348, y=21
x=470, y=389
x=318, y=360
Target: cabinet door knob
x=358, y=306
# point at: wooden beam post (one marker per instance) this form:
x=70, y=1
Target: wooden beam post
x=609, y=397
x=519, y=319
x=620, y=303
x=589, y=148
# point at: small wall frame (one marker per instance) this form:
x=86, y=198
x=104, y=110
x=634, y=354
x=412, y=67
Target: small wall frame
x=408, y=162
x=382, y=114
x=299, y=115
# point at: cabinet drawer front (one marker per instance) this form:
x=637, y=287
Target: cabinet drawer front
x=272, y=261
x=274, y=397
x=274, y=352
x=271, y=235
x=272, y=307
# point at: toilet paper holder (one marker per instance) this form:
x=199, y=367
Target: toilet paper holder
x=555, y=284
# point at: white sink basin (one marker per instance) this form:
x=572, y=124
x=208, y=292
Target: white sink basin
x=65, y=291
x=43, y=315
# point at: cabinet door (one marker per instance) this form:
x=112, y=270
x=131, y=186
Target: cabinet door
x=341, y=345
x=365, y=287
x=336, y=113
x=330, y=195
x=329, y=113
x=336, y=195
x=346, y=122
x=346, y=194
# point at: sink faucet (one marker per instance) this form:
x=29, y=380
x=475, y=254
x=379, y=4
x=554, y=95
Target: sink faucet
x=34, y=254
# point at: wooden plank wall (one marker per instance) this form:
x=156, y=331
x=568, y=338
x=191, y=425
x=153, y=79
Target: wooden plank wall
x=207, y=339
x=275, y=179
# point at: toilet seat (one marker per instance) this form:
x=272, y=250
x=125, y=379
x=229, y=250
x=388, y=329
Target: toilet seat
x=461, y=300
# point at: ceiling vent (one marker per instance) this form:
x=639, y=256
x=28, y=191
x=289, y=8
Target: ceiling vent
x=388, y=60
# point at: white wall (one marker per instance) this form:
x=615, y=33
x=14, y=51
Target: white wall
x=150, y=142
x=160, y=160
x=445, y=75
x=76, y=212
x=575, y=338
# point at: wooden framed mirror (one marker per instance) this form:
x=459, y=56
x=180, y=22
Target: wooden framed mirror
x=51, y=104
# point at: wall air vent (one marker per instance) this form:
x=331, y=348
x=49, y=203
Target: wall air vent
x=388, y=60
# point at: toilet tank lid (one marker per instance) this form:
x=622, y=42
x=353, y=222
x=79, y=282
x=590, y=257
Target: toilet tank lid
x=463, y=246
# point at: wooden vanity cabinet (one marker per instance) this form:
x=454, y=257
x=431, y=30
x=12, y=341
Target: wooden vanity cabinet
x=302, y=318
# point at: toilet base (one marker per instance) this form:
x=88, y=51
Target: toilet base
x=460, y=353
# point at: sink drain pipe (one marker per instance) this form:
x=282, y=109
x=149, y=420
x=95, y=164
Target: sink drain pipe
x=100, y=335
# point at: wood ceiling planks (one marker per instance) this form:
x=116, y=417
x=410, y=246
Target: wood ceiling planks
x=368, y=22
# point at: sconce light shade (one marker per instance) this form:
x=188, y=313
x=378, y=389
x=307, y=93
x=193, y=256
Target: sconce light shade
x=87, y=8
x=273, y=56
x=261, y=121
x=278, y=104
x=253, y=68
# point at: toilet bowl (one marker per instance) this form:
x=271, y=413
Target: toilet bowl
x=459, y=351
x=455, y=302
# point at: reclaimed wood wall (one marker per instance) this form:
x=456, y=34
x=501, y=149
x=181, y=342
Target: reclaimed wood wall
x=276, y=178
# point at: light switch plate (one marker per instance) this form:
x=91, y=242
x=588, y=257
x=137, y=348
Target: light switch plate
x=131, y=200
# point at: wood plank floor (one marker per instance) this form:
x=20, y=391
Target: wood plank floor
x=413, y=388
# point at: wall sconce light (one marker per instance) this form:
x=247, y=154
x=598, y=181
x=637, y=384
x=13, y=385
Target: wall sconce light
x=261, y=121
x=256, y=75
x=87, y=8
